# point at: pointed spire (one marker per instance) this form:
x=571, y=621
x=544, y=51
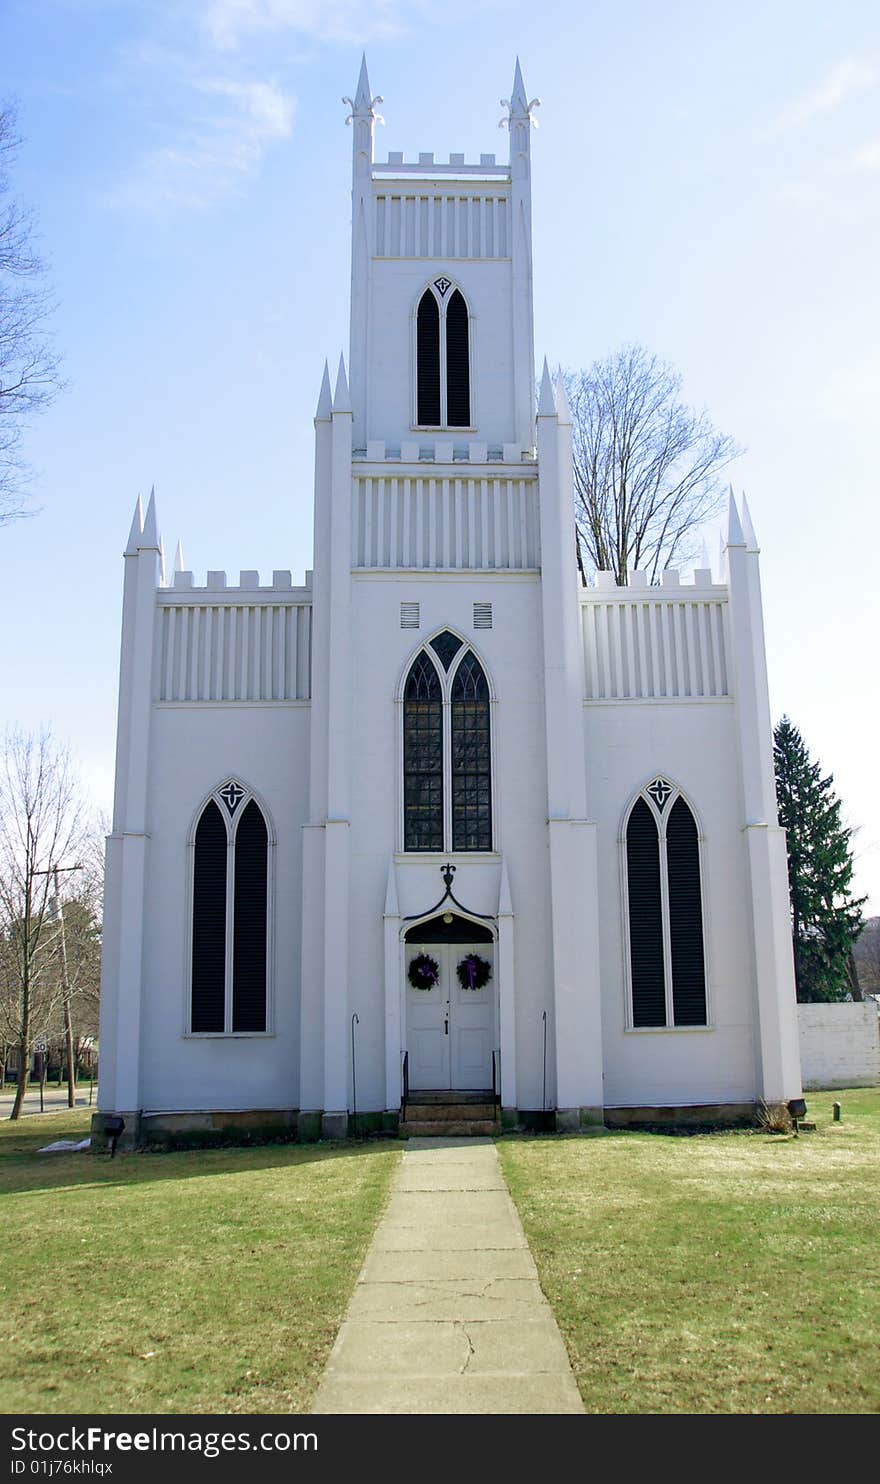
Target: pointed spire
x=705, y=559
x=519, y=106
x=518, y=100
x=748, y=528
x=178, y=558
x=546, y=399
x=363, y=97
x=149, y=535
x=722, y=557
x=734, y=529
x=562, y=408
x=341, y=399
x=325, y=399
x=137, y=528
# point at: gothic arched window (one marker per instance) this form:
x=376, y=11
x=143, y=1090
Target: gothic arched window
x=443, y=374
x=230, y=916
x=471, y=758
x=447, y=750
x=665, y=910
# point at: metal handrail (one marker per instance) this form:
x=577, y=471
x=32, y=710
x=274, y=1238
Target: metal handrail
x=405, y=1099
x=544, y=1059
x=354, y=1021
x=496, y=1079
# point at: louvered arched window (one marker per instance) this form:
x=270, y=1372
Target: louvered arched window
x=230, y=916
x=443, y=365
x=665, y=910
x=447, y=749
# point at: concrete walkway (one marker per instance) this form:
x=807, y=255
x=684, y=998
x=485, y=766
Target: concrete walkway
x=448, y=1314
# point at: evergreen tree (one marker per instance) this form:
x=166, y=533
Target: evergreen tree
x=825, y=917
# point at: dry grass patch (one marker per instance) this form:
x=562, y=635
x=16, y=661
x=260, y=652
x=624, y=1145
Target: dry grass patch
x=729, y=1272
x=209, y=1281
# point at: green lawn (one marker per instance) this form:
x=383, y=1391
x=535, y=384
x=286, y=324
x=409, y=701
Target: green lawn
x=195, y=1282
x=732, y=1272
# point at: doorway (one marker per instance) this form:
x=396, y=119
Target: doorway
x=451, y=1006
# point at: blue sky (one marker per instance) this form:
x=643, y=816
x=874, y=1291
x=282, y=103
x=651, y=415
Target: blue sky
x=705, y=182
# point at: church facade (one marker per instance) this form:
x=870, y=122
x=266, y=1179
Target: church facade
x=443, y=819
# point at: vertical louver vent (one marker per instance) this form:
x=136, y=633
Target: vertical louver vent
x=482, y=615
x=209, y=923
x=409, y=615
x=230, y=953
x=458, y=385
x=249, y=923
x=667, y=957
x=645, y=918
x=428, y=361
x=685, y=917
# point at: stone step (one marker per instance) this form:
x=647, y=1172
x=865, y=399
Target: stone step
x=444, y=1096
x=417, y=1112
x=450, y=1128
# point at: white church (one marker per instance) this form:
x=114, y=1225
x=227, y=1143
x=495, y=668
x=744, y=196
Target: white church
x=443, y=828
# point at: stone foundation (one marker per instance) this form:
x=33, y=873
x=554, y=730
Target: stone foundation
x=720, y=1115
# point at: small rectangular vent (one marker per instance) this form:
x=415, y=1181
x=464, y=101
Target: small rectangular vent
x=409, y=615
x=482, y=615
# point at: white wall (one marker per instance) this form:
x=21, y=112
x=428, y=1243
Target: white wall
x=693, y=745
x=194, y=748
x=511, y=652
x=840, y=1045
x=395, y=289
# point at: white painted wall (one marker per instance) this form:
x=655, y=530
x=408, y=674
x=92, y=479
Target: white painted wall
x=840, y=1044
x=193, y=749
x=694, y=746
x=395, y=290
x=510, y=653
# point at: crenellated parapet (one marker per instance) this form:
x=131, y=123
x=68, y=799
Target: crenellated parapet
x=244, y=643
x=666, y=643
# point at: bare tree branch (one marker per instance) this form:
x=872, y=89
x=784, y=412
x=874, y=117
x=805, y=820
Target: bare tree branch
x=646, y=467
x=29, y=377
x=41, y=826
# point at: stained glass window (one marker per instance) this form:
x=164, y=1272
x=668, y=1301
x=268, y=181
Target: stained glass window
x=471, y=758
x=423, y=757
x=446, y=647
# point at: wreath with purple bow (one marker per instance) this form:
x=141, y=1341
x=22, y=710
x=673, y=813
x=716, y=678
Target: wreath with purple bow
x=423, y=971
x=473, y=972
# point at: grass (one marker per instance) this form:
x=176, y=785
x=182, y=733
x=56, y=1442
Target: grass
x=192, y=1282
x=727, y=1272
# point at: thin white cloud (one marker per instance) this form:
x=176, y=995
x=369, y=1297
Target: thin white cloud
x=215, y=150
x=868, y=157
x=229, y=22
x=848, y=76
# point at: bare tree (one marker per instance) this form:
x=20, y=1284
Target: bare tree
x=646, y=467
x=41, y=822
x=28, y=365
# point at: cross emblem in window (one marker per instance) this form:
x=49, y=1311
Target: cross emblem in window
x=442, y=285
x=660, y=791
x=232, y=795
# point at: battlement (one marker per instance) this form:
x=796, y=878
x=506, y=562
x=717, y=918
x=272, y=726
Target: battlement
x=249, y=588
x=666, y=643
x=638, y=582
x=427, y=165
x=442, y=451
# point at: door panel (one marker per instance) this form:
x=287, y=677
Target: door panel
x=472, y=1021
x=450, y=1029
x=426, y=1015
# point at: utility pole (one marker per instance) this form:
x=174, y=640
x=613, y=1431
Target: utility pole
x=65, y=990
x=56, y=914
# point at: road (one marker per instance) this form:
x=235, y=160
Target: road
x=54, y=1099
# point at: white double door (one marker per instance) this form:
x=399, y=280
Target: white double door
x=450, y=1029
